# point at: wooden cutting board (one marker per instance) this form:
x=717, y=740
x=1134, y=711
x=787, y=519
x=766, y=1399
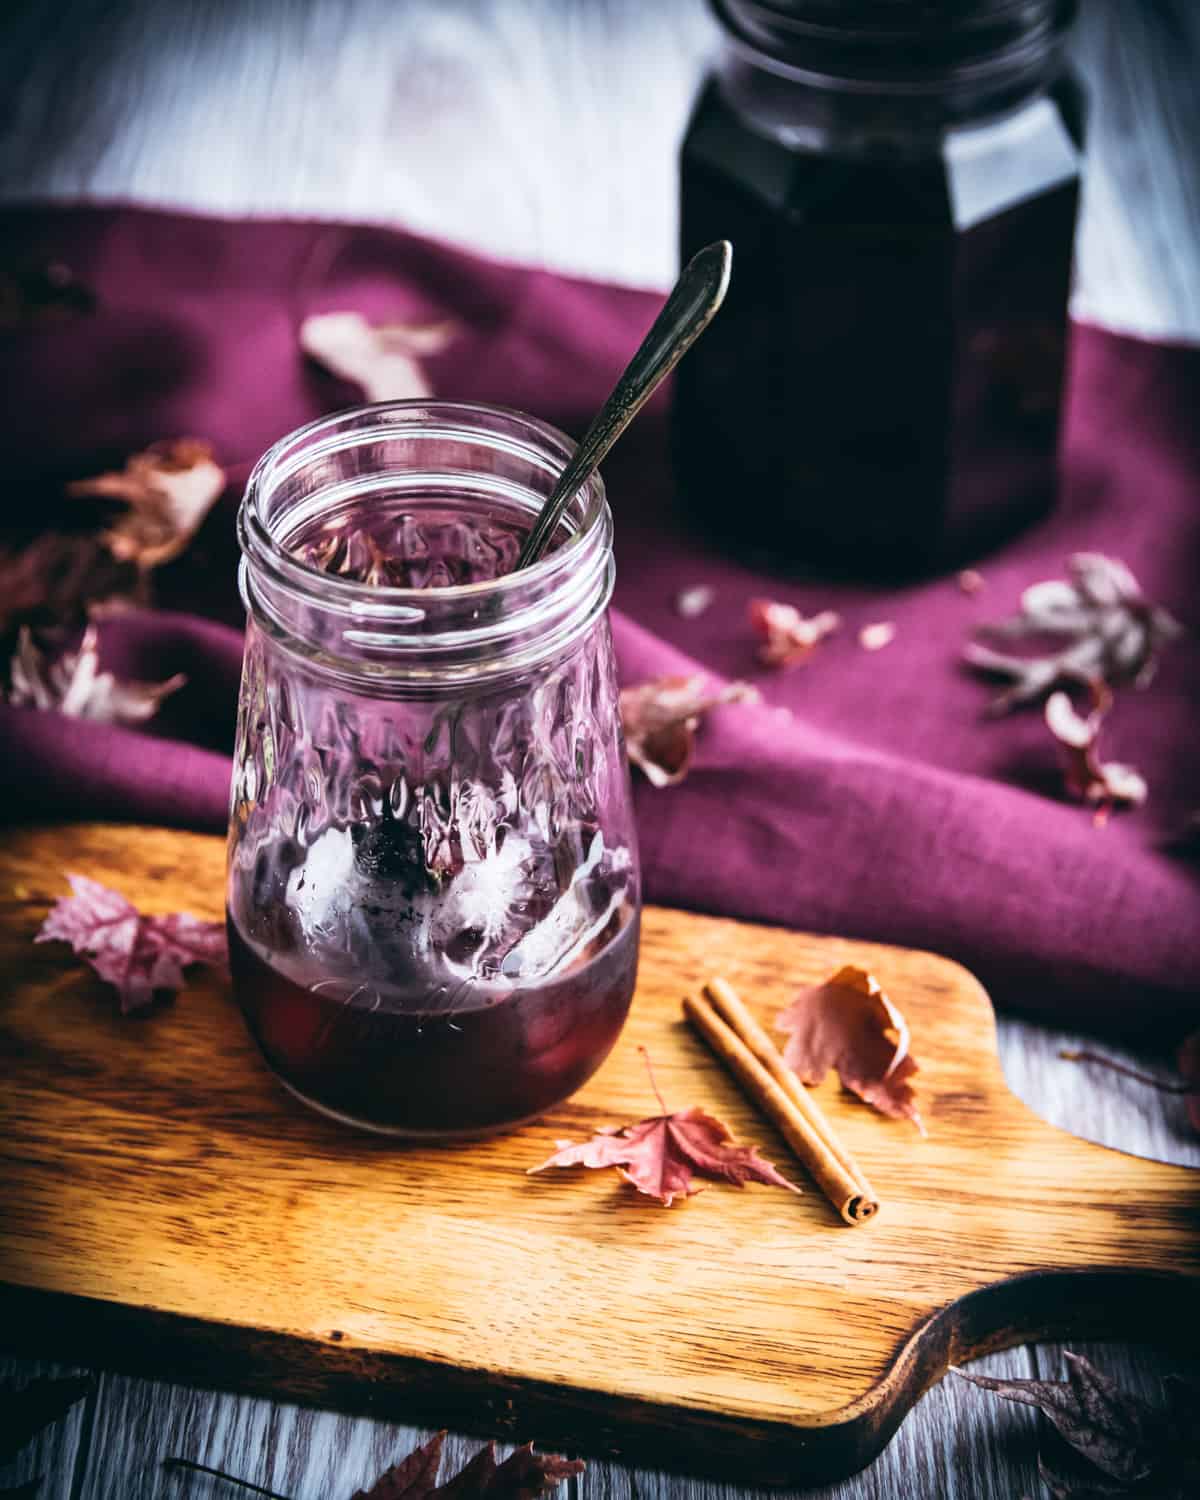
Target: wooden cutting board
x=168, y=1209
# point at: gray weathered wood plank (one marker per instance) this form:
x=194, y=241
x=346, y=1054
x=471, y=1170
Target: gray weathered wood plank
x=58, y=1453
x=311, y=1455
x=1095, y=1102
x=296, y=1451
x=953, y=1446
x=303, y=1454
x=1137, y=267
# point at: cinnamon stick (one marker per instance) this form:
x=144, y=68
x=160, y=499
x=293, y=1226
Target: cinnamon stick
x=729, y=1006
x=803, y=1125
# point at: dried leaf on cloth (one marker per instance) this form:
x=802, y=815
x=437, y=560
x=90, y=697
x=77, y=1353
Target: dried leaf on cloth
x=60, y=579
x=787, y=637
x=850, y=1025
x=1102, y=627
x=384, y=359
x=166, y=492
x=661, y=1155
x=1101, y=784
x=139, y=956
x=660, y=718
x=1133, y=1448
x=691, y=603
x=73, y=684
x=970, y=581
x=875, y=637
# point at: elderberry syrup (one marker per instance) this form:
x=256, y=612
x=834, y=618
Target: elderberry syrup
x=433, y=888
x=883, y=389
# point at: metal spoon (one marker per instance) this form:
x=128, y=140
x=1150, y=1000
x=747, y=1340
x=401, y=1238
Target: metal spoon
x=687, y=312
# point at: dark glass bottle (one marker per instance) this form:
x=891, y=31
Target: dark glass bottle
x=882, y=390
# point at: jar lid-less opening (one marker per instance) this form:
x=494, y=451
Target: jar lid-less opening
x=964, y=58
x=468, y=455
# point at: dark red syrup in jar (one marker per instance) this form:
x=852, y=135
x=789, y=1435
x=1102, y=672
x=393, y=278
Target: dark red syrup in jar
x=442, y=987
x=436, y=1060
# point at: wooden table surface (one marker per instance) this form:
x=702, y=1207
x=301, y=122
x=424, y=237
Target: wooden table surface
x=560, y=118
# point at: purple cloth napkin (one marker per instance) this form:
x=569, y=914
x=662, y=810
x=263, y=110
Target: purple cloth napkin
x=884, y=806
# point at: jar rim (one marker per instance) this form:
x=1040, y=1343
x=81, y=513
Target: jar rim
x=258, y=542
x=979, y=62
x=391, y=633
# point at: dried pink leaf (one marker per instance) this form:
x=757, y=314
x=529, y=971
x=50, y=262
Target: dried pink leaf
x=384, y=359
x=660, y=718
x=788, y=638
x=167, y=491
x=1109, y=632
x=139, y=956
x=691, y=603
x=876, y=637
x=660, y=1155
x=850, y=1025
x=1103, y=785
x=73, y=684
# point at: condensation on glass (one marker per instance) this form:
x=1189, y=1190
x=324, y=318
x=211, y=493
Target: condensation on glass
x=883, y=388
x=433, y=890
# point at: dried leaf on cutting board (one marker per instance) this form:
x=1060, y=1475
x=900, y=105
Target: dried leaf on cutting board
x=850, y=1025
x=140, y=956
x=661, y=1155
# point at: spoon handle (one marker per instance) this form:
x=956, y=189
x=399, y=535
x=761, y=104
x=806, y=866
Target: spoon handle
x=687, y=312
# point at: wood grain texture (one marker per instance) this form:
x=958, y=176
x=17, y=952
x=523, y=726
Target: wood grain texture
x=957, y=1443
x=954, y=1446
x=160, y=1184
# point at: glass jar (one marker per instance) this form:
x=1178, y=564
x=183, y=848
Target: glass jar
x=433, y=889
x=882, y=390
